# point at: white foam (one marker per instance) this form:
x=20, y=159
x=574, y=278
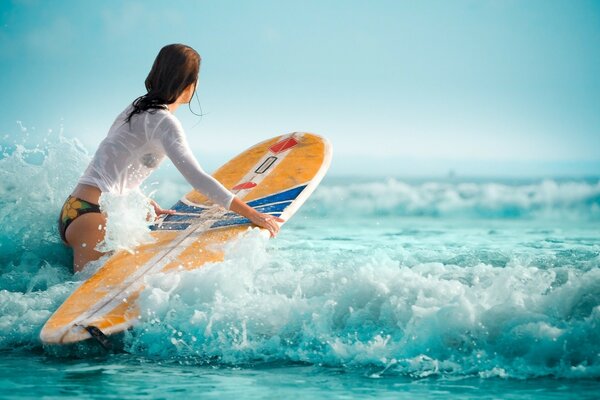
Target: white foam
x=369, y=311
x=128, y=218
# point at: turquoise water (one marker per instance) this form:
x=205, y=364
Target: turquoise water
x=388, y=288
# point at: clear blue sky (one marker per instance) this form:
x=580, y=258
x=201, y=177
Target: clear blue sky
x=397, y=85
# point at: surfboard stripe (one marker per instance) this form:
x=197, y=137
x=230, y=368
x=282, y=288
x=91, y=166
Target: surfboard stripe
x=245, y=185
x=236, y=221
x=269, y=204
x=283, y=145
x=230, y=219
x=179, y=217
x=170, y=227
x=186, y=208
x=271, y=208
x=286, y=195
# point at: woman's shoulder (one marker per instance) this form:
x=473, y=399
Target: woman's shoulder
x=156, y=122
x=155, y=116
x=166, y=118
x=163, y=124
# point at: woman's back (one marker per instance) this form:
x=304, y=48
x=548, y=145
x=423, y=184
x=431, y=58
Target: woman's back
x=131, y=150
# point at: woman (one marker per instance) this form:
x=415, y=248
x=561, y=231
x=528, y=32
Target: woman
x=140, y=138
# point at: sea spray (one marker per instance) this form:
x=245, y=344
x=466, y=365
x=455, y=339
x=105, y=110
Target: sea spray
x=22, y=315
x=34, y=183
x=37, y=172
x=128, y=218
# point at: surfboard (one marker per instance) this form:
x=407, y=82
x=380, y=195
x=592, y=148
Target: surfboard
x=274, y=177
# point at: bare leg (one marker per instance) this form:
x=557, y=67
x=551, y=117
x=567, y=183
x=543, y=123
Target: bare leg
x=83, y=234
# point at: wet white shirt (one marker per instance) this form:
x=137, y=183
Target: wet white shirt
x=132, y=150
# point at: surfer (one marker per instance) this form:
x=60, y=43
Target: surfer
x=144, y=134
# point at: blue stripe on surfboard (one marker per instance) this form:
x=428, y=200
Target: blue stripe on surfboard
x=287, y=195
x=235, y=222
x=180, y=218
x=269, y=208
x=232, y=219
x=184, y=208
x=218, y=224
x=264, y=205
x=230, y=222
x=169, y=227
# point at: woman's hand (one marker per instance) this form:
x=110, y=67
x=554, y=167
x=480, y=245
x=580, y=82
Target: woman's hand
x=160, y=211
x=269, y=222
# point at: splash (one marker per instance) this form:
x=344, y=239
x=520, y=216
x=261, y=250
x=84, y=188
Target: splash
x=127, y=224
x=34, y=182
x=36, y=176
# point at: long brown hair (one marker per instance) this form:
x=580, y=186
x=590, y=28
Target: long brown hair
x=175, y=68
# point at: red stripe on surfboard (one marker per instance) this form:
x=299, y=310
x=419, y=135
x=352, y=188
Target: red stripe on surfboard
x=283, y=145
x=245, y=185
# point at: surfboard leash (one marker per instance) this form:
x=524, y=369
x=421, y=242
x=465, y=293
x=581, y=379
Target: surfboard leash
x=100, y=337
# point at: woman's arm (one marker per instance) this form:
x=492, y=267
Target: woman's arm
x=177, y=149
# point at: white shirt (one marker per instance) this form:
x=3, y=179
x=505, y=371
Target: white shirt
x=132, y=150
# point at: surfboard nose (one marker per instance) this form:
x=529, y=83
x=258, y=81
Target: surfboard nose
x=50, y=335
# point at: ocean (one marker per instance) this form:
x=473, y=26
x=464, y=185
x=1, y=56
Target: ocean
x=383, y=287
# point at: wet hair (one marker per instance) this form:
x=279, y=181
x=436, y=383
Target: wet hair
x=175, y=68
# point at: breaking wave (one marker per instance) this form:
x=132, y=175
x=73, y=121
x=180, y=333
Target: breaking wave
x=575, y=199
x=371, y=312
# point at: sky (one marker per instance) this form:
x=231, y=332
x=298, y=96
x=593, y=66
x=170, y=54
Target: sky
x=398, y=87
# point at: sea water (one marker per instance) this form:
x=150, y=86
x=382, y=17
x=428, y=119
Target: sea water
x=378, y=287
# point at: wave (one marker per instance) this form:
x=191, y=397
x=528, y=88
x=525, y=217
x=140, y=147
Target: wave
x=358, y=311
x=543, y=199
x=372, y=313
x=458, y=310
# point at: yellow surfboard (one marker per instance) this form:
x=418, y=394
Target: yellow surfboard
x=275, y=177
